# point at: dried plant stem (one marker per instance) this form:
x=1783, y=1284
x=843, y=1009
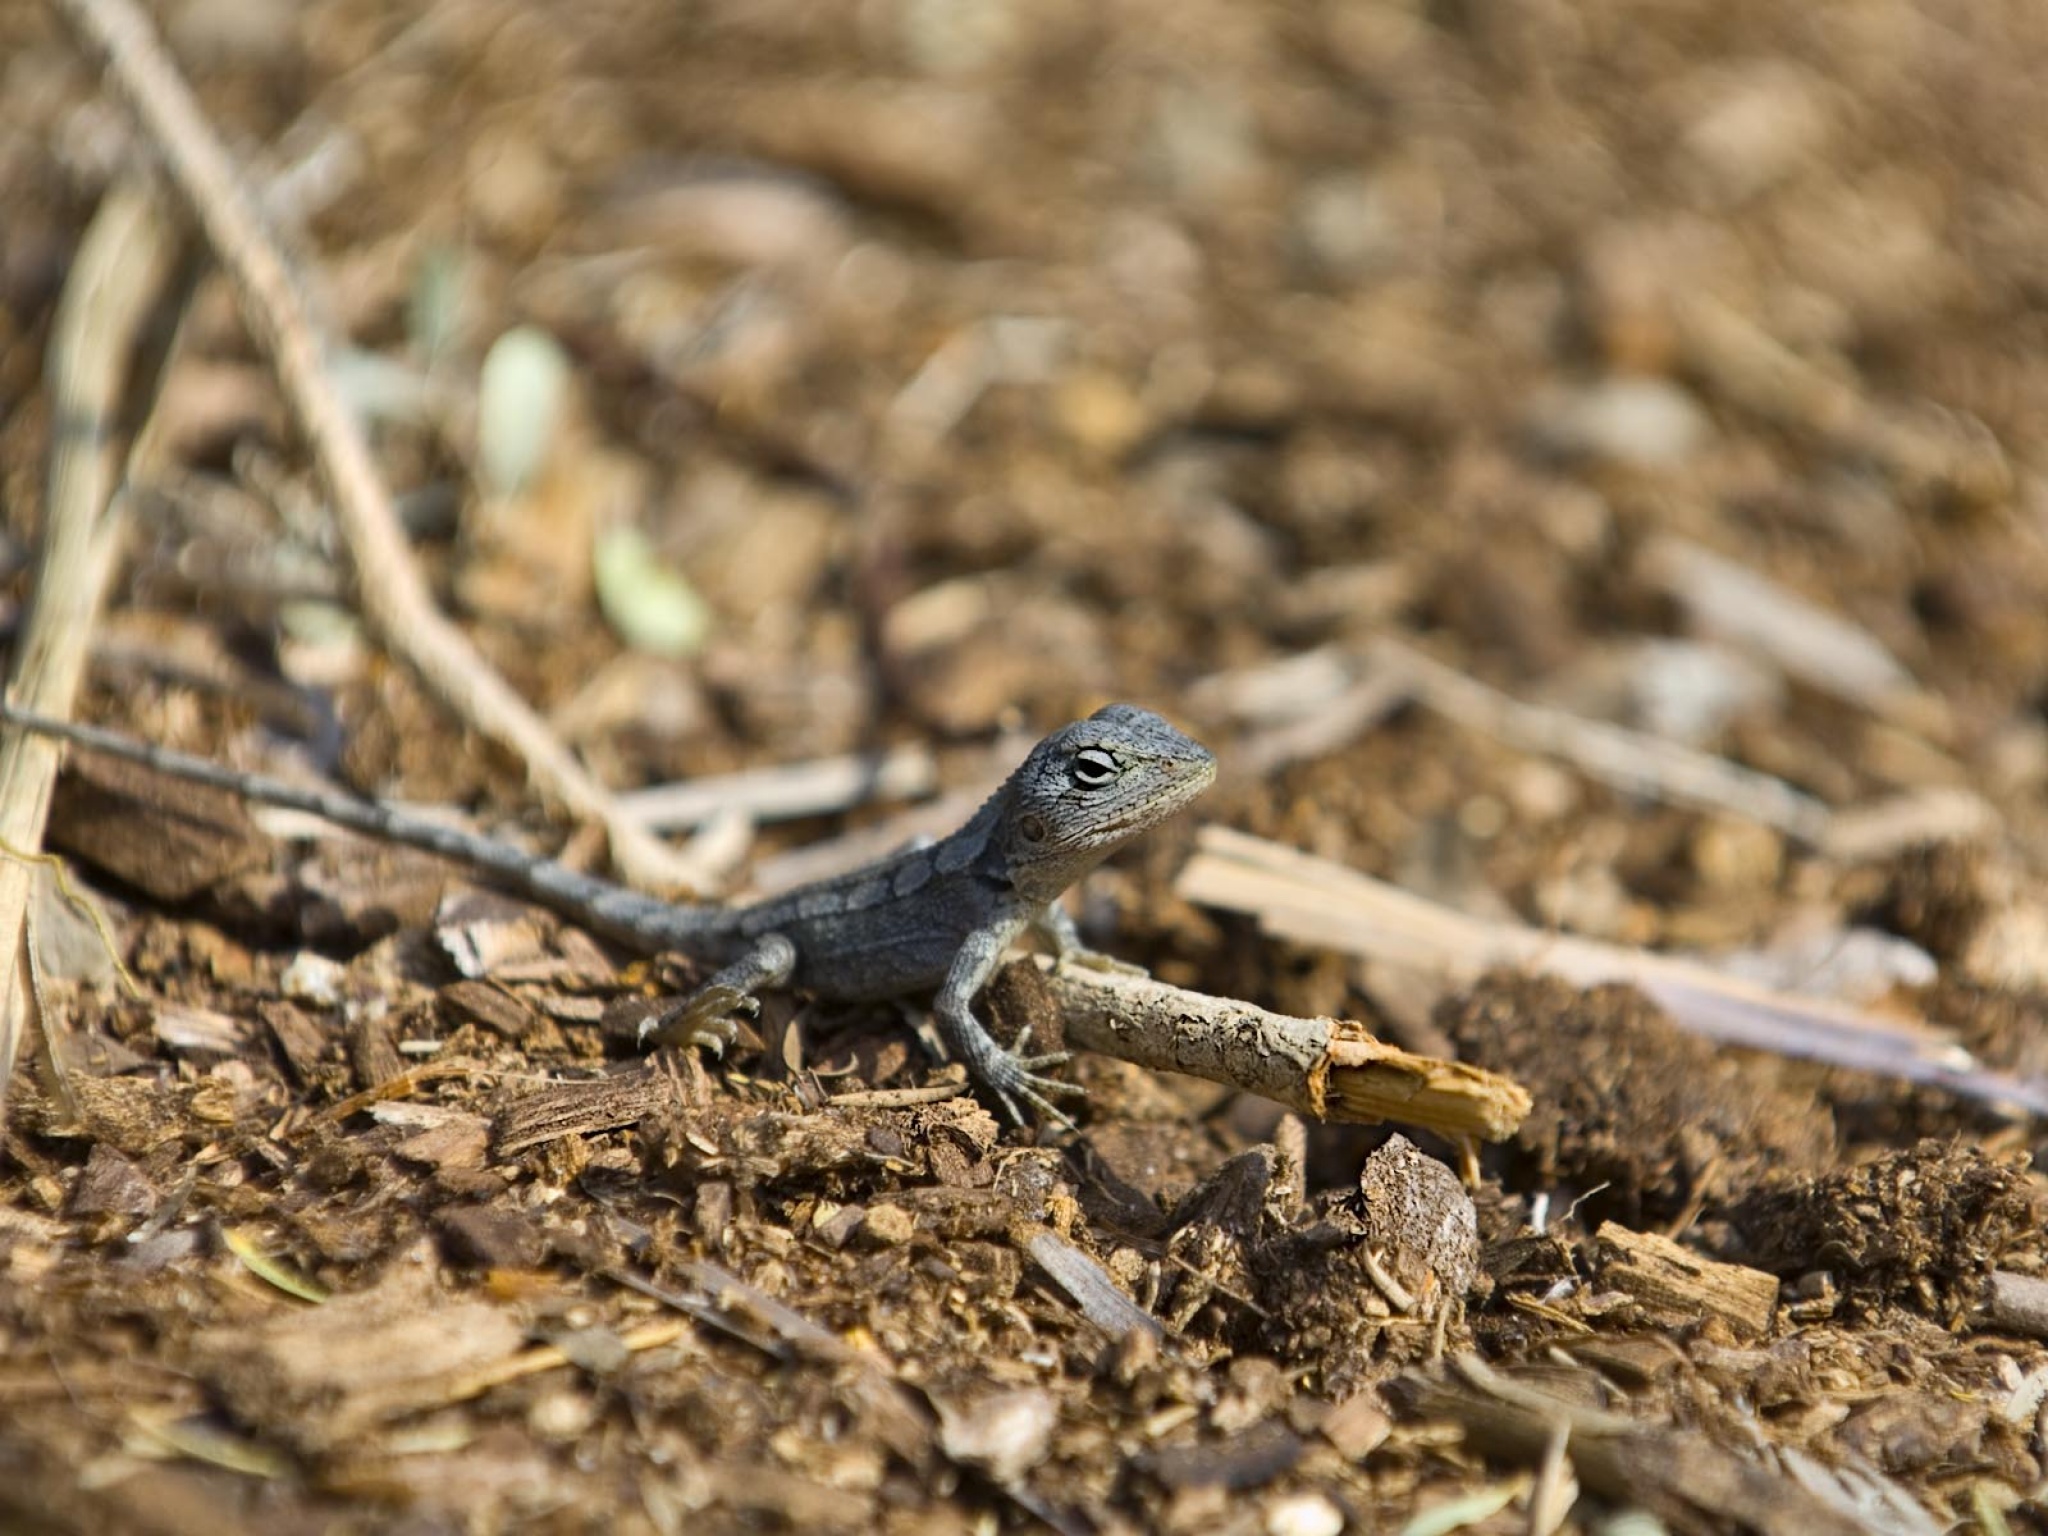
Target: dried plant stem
x=1329, y=1068
x=821, y=787
x=2016, y=1303
x=1631, y=761
x=1681, y=1475
x=1307, y=900
x=394, y=598
x=120, y=273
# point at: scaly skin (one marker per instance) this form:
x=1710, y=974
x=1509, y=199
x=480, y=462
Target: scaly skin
x=936, y=918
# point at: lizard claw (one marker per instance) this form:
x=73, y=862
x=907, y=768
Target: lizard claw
x=1011, y=1076
x=707, y=1018
x=1031, y=1064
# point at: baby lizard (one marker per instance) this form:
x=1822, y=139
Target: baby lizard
x=932, y=918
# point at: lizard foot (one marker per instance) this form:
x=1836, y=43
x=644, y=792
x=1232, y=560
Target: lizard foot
x=707, y=1018
x=1014, y=1077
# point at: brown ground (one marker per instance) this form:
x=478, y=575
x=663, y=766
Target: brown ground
x=979, y=363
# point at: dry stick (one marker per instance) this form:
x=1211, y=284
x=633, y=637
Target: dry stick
x=120, y=272
x=2016, y=1304
x=1755, y=371
x=1681, y=1475
x=862, y=845
x=1320, y=701
x=1329, y=1068
x=821, y=787
x=1727, y=600
x=1351, y=714
x=395, y=601
x=1631, y=761
x=1307, y=900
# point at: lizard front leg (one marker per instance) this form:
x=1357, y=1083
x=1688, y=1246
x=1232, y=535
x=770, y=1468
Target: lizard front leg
x=705, y=1017
x=1010, y=1076
x=1056, y=925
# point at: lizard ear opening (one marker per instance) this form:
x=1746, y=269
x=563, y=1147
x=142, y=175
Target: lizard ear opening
x=1031, y=828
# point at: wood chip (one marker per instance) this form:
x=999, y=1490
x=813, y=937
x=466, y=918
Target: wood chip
x=166, y=837
x=582, y=1109
x=318, y=1377
x=1675, y=1286
x=302, y=1042
x=481, y=1002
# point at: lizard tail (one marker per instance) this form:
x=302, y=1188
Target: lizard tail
x=639, y=921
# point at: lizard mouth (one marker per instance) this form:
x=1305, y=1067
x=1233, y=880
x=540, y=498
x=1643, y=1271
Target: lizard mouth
x=1189, y=778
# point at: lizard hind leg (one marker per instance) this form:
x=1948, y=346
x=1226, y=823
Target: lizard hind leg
x=706, y=1017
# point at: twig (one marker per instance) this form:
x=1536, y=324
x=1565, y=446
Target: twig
x=1088, y=1284
x=1321, y=700
x=1301, y=706
x=787, y=791
x=929, y=819
x=1354, y=712
x=395, y=601
x=1760, y=374
x=1680, y=1475
x=1307, y=900
x=1937, y=813
x=1731, y=602
x=120, y=272
x=898, y=1098
x=1329, y=1068
x=478, y=1380
x=2015, y=1303
x=1631, y=761
x=1276, y=692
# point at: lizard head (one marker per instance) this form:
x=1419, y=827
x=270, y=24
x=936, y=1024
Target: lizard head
x=1091, y=787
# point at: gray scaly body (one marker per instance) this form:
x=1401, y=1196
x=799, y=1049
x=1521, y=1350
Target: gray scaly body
x=935, y=918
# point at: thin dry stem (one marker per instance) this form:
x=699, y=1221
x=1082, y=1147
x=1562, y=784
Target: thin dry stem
x=1307, y=900
x=1329, y=1068
x=822, y=787
x=120, y=272
x=394, y=598
x=1631, y=761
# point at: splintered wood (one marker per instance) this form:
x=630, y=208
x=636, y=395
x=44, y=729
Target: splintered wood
x=1675, y=1286
x=1330, y=1068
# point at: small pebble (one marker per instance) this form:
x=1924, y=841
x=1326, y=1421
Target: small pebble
x=888, y=1226
x=1640, y=423
x=1304, y=1514
x=561, y=1416
x=313, y=979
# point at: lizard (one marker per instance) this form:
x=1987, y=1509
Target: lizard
x=935, y=917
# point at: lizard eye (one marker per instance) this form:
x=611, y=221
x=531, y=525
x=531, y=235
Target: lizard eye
x=1092, y=768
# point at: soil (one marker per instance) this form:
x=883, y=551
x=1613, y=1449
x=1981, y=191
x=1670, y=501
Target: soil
x=974, y=365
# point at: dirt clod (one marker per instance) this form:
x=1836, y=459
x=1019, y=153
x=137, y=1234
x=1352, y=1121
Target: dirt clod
x=1625, y=1101
x=1921, y=1226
